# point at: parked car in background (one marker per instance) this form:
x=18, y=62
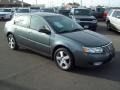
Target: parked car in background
x=113, y=20
x=84, y=17
x=6, y=13
x=98, y=12
x=106, y=13
x=22, y=10
x=34, y=9
x=64, y=12
x=49, y=10
x=60, y=38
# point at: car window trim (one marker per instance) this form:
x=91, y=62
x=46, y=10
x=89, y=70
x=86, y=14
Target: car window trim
x=22, y=20
x=45, y=21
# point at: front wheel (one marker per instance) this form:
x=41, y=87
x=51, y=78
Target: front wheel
x=64, y=59
x=12, y=42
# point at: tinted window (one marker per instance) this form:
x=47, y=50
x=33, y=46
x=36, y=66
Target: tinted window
x=22, y=21
x=118, y=13
x=22, y=11
x=7, y=10
x=62, y=24
x=37, y=22
x=114, y=14
x=82, y=12
x=100, y=9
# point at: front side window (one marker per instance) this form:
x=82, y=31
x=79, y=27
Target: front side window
x=61, y=24
x=23, y=21
x=37, y=23
x=22, y=11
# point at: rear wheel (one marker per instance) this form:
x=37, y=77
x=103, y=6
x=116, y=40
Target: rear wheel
x=64, y=59
x=12, y=42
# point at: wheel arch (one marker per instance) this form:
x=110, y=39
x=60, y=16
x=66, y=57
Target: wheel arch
x=61, y=46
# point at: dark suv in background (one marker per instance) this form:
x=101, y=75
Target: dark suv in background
x=84, y=17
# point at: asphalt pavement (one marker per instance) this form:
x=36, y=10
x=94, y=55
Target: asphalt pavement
x=27, y=70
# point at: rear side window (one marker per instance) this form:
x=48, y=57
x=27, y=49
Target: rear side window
x=37, y=22
x=23, y=21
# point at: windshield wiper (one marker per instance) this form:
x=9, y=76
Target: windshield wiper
x=74, y=30
x=77, y=29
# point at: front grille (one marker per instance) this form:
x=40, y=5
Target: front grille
x=86, y=19
x=2, y=14
x=108, y=48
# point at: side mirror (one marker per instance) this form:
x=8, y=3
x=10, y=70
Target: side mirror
x=45, y=29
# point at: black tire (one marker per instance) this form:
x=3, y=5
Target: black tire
x=66, y=58
x=12, y=42
x=108, y=26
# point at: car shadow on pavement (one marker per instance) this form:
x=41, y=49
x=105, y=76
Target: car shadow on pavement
x=24, y=50
x=109, y=71
x=5, y=85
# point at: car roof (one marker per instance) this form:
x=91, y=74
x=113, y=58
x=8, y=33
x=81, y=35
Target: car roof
x=81, y=8
x=39, y=13
x=116, y=9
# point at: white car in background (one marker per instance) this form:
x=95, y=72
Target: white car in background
x=22, y=10
x=6, y=13
x=113, y=20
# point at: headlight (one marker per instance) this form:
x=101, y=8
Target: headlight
x=92, y=50
x=94, y=21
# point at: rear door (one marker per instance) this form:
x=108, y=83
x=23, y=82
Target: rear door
x=113, y=19
x=118, y=20
x=21, y=27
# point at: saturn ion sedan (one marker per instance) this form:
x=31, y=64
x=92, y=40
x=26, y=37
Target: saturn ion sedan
x=60, y=38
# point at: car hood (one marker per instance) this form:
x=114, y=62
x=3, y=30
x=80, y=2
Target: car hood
x=88, y=38
x=84, y=17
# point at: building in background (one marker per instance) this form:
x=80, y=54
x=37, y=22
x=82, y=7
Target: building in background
x=13, y=3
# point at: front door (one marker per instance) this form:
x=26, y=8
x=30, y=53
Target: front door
x=39, y=40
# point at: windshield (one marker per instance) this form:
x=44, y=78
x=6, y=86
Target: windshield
x=22, y=11
x=62, y=24
x=5, y=10
x=82, y=12
x=47, y=10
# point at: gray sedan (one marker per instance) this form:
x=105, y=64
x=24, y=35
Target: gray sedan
x=60, y=38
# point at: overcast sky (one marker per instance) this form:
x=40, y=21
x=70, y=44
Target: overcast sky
x=85, y=2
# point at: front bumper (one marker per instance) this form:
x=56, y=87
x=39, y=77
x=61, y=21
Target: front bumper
x=93, y=60
x=6, y=17
x=88, y=25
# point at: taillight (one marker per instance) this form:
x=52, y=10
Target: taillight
x=105, y=14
